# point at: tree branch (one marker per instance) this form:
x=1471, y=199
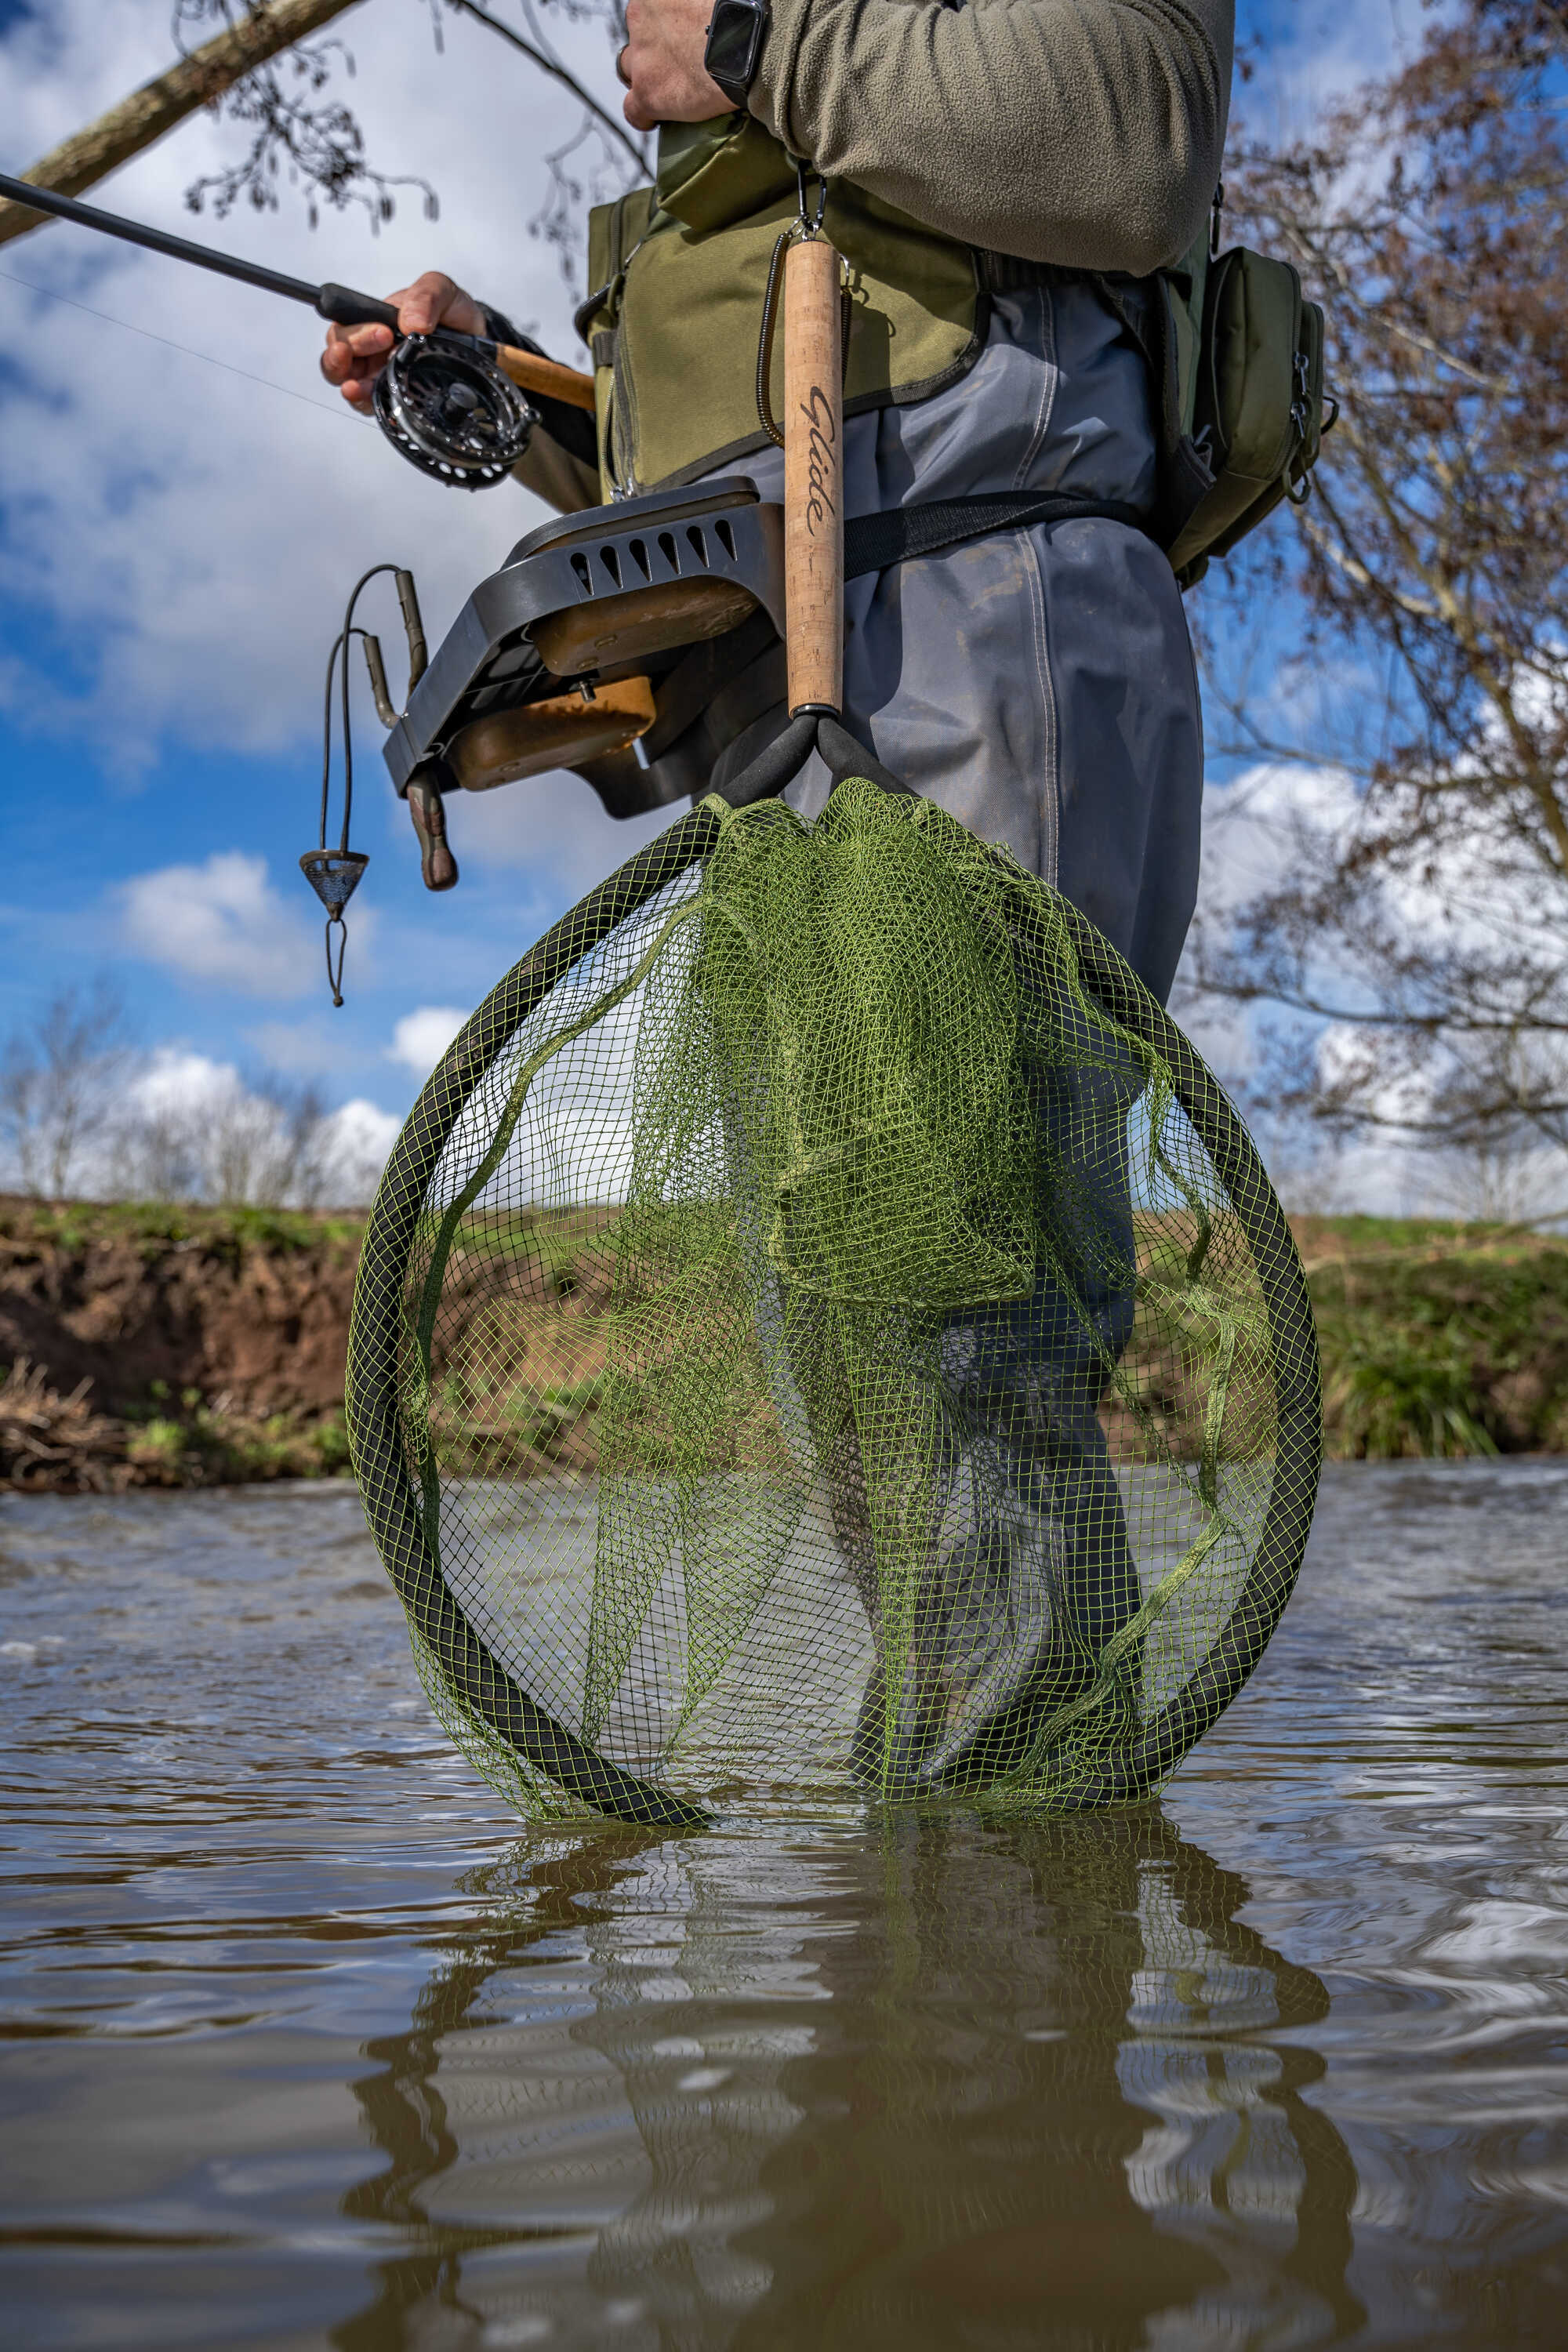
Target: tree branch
x=548, y=63
x=139, y=121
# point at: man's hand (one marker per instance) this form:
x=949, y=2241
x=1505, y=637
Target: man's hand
x=355, y=356
x=662, y=66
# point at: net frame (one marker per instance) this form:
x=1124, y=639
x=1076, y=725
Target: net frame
x=475, y=1677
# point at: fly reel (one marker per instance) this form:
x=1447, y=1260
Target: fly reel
x=452, y=413
x=447, y=403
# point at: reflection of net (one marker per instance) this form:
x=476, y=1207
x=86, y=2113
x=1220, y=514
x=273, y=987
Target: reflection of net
x=823, y=1329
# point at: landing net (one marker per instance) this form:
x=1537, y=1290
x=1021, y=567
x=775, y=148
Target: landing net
x=823, y=1333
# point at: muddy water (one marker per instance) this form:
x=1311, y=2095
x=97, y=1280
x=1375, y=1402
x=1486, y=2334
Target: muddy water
x=306, y=2045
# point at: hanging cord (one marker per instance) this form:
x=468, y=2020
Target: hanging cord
x=335, y=873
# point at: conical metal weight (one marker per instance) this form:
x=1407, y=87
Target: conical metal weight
x=334, y=875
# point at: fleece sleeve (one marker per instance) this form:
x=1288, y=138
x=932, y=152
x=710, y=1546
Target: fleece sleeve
x=1086, y=132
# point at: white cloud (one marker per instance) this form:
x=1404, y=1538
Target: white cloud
x=555, y=828
x=314, y=1046
x=355, y=1141
x=1256, y=830
x=422, y=1036
x=1468, y=895
x=199, y=1121
x=177, y=1080
x=221, y=922
x=1320, y=51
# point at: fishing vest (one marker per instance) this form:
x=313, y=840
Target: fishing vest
x=681, y=273
x=680, y=270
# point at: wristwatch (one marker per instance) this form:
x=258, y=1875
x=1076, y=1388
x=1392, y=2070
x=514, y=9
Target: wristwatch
x=736, y=31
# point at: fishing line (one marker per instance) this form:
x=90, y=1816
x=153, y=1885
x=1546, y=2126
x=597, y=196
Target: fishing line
x=228, y=367
x=451, y=403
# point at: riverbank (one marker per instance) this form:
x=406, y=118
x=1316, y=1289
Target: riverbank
x=146, y=1345
x=156, y=1346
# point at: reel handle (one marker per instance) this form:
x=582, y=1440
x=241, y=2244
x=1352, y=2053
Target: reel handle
x=413, y=627
x=814, y=465
x=437, y=867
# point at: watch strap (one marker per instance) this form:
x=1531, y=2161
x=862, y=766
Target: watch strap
x=736, y=31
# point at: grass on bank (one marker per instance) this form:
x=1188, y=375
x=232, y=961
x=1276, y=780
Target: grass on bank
x=153, y=1227
x=1438, y=1339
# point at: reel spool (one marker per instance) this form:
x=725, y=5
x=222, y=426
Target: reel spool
x=452, y=413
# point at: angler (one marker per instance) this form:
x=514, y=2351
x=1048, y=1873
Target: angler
x=1035, y=462
x=1022, y=194
x=874, y=1272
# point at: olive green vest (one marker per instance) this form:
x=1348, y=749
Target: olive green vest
x=681, y=271
x=1234, y=353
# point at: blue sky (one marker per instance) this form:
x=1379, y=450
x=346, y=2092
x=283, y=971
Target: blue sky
x=177, y=541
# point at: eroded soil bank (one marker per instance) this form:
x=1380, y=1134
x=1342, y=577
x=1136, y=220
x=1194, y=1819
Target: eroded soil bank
x=166, y=1346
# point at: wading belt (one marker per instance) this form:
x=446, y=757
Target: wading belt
x=874, y=542
x=723, y=686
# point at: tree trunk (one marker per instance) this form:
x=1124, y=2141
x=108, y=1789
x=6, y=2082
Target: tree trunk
x=141, y=119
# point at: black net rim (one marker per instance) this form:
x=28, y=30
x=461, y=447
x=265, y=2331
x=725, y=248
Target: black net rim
x=477, y=1675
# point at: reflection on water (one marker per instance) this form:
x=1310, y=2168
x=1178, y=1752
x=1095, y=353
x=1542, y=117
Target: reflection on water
x=1037, y=2083
x=305, y=2045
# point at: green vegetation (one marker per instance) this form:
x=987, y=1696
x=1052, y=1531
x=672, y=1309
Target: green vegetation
x=1439, y=1340
x=77, y=1226
x=210, y=1447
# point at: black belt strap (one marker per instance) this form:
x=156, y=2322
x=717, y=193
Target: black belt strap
x=872, y=542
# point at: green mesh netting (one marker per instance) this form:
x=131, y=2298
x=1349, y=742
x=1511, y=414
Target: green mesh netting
x=823, y=1331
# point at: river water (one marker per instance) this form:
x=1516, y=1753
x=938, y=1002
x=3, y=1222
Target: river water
x=307, y=2042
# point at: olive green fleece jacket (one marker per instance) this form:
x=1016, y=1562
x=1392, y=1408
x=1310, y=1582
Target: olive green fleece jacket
x=1086, y=132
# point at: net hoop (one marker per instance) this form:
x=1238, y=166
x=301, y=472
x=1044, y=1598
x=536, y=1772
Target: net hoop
x=439, y=1620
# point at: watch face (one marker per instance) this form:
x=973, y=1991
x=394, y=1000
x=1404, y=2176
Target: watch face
x=735, y=43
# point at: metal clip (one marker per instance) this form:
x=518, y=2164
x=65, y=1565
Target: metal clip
x=801, y=231
x=804, y=226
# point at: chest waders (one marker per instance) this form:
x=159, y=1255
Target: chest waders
x=822, y=1334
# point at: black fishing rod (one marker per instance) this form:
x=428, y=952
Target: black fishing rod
x=448, y=403
x=339, y=303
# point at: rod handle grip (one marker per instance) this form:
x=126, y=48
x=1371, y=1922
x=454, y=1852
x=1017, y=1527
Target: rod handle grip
x=813, y=466
x=344, y=308
x=550, y=378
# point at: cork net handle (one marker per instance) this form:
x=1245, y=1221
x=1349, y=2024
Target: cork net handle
x=813, y=487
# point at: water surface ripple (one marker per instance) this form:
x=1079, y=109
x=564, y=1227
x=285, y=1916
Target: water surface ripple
x=305, y=2044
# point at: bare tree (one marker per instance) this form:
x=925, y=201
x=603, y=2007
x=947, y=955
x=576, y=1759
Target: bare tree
x=296, y=130
x=1430, y=587
x=265, y=1145
x=60, y=1080
x=264, y=70
x=259, y=1139
x=200, y=76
